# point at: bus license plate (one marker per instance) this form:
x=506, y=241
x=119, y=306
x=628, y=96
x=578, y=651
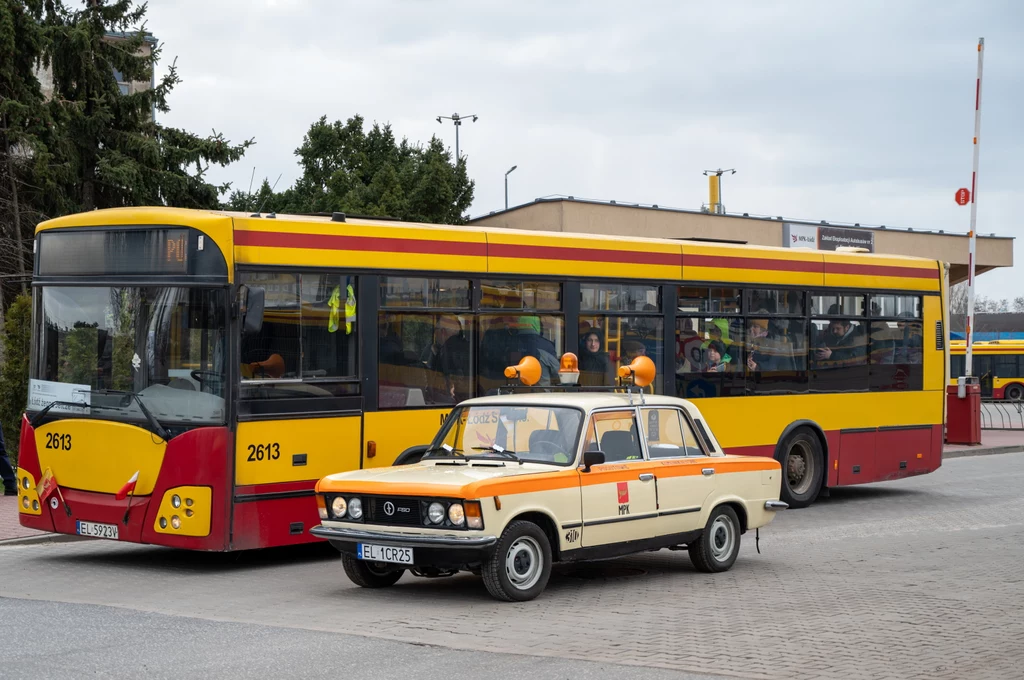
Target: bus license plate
x=97, y=530
x=383, y=553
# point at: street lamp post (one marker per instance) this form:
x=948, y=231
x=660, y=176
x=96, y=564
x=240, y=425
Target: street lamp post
x=506, y=184
x=457, y=119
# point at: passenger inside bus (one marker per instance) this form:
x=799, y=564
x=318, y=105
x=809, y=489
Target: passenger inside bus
x=595, y=367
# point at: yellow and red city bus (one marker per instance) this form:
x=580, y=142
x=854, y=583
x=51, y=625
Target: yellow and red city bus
x=195, y=372
x=998, y=365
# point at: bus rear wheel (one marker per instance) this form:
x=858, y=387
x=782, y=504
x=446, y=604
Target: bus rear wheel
x=1014, y=393
x=803, y=467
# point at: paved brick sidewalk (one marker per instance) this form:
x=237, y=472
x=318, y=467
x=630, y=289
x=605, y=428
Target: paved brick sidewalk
x=913, y=579
x=992, y=441
x=10, y=527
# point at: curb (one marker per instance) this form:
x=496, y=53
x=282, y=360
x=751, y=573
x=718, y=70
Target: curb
x=43, y=538
x=983, y=451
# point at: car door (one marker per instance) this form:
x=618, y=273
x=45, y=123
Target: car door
x=619, y=496
x=683, y=471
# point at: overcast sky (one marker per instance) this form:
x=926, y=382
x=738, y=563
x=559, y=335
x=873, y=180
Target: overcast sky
x=843, y=111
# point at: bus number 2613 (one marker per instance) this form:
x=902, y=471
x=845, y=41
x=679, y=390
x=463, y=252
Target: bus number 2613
x=270, y=451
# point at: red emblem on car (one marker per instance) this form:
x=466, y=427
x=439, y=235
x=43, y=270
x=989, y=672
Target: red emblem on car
x=623, y=492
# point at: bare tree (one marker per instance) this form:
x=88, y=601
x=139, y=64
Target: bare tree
x=958, y=299
x=1018, y=305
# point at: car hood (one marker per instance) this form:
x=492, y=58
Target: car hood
x=438, y=478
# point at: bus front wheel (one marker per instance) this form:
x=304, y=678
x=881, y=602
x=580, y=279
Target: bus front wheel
x=803, y=467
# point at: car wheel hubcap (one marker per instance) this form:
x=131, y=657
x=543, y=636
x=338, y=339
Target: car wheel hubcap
x=523, y=562
x=800, y=468
x=723, y=538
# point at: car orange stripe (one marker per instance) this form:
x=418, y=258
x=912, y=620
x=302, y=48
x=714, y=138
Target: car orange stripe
x=548, y=481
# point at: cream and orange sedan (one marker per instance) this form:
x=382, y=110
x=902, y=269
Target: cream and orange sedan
x=512, y=484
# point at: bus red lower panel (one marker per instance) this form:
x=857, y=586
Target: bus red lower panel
x=865, y=455
x=269, y=515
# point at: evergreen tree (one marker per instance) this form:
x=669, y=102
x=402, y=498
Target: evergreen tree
x=16, y=339
x=24, y=126
x=370, y=173
x=120, y=155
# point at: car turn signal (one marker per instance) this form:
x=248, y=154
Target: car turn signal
x=641, y=371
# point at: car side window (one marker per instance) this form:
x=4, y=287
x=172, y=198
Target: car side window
x=615, y=434
x=669, y=434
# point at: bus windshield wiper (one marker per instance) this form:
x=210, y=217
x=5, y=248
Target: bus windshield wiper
x=501, y=451
x=153, y=422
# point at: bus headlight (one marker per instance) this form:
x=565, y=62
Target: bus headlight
x=355, y=508
x=435, y=513
x=175, y=522
x=176, y=500
x=338, y=507
x=456, y=515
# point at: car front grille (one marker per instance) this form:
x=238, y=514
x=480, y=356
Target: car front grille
x=393, y=510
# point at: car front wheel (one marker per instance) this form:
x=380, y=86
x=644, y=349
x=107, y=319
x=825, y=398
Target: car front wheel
x=520, y=566
x=369, y=574
x=719, y=544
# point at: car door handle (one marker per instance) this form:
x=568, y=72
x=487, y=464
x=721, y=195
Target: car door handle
x=707, y=471
x=646, y=477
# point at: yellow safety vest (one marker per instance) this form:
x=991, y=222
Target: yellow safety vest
x=350, y=309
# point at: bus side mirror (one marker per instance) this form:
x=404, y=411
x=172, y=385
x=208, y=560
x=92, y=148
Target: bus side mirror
x=592, y=458
x=252, y=304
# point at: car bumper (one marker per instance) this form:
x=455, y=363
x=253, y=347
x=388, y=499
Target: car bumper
x=428, y=549
x=775, y=505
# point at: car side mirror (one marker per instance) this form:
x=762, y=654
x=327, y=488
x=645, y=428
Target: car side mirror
x=252, y=305
x=592, y=458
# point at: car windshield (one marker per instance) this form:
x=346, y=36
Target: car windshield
x=121, y=351
x=536, y=434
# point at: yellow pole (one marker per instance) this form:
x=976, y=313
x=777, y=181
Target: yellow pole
x=713, y=192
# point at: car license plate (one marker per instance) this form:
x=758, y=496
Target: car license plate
x=97, y=530
x=383, y=553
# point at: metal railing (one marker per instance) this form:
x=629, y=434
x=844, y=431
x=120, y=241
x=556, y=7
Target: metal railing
x=1000, y=414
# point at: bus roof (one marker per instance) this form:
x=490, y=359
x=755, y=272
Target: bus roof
x=331, y=241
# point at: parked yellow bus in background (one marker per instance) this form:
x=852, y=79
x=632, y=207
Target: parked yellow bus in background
x=998, y=365
x=195, y=372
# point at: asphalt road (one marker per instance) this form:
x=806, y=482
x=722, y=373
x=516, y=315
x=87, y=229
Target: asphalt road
x=920, y=578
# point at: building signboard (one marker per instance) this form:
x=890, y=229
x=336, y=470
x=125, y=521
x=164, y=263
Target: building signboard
x=826, y=238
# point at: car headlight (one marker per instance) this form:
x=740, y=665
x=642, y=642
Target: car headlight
x=435, y=513
x=355, y=508
x=456, y=515
x=338, y=507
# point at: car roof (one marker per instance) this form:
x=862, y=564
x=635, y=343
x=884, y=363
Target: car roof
x=588, y=401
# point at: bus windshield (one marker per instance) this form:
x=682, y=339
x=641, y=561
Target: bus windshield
x=123, y=351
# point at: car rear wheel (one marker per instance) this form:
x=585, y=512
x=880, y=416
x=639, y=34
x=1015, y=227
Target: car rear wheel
x=520, y=566
x=719, y=544
x=803, y=467
x=370, y=574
